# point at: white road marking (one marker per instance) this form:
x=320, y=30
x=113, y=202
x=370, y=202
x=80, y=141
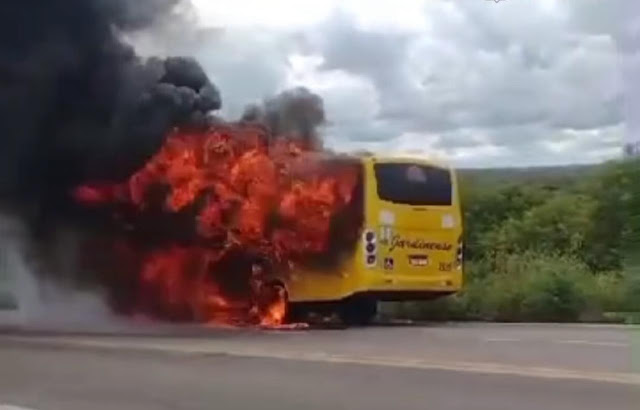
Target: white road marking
x=602, y=343
x=502, y=339
x=593, y=343
x=324, y=357
x=602, y=326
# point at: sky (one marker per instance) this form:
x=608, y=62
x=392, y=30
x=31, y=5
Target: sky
x=478, y=83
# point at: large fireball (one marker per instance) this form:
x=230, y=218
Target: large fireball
x=215, y=216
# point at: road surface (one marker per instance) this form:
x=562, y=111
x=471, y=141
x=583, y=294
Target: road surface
x=470, y=366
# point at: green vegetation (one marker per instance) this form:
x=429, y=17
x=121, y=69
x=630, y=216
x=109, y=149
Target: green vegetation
x=546, y=245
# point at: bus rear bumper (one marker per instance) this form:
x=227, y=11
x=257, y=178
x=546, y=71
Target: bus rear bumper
x=359, y=305
x=400, y=295
x=377, y=295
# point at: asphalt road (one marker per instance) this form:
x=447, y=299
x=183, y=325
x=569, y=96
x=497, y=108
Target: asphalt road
x=388, y=367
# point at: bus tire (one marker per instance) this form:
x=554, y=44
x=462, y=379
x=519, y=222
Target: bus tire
x=296, y=313
x=358, y=311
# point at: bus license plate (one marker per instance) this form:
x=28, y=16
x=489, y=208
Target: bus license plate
x=418, y=260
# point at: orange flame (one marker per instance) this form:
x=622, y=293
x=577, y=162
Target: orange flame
x=250, y=194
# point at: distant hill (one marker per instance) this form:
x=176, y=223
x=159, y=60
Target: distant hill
x=554, y=175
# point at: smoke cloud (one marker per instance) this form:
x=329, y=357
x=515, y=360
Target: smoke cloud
x=296, y=113
x=77, y=103
x=40, y=301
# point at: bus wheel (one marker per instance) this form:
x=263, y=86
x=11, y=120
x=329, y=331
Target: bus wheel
x=297, y=313
x=358, y=311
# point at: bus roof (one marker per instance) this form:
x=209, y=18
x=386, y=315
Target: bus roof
x=405, y=160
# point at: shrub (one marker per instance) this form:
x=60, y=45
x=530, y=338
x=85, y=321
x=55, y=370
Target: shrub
x=631, y=292
x=551, y=296
x=537, y=287
x=522, y=287
x=559, y=225
x=607, y=292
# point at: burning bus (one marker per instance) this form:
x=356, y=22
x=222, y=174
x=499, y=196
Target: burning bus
x=128, y=181
x=409, y=245
x=232, y=224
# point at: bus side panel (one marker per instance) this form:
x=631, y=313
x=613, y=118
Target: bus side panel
x=337, y=283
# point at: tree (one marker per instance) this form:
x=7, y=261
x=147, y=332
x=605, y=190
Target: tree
x=559, y=225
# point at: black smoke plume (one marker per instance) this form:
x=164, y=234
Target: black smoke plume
x=77, y=103
x=296, y=113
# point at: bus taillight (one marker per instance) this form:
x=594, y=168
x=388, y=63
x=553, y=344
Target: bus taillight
x=370, y=248
x=460, y=254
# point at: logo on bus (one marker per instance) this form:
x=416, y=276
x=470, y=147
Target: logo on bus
x=398, y=242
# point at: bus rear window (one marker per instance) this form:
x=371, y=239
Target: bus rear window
x=413, y=184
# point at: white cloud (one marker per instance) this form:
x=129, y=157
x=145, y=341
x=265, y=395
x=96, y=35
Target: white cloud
x=400, y=15
x=338, y=89
x=477, y=82
x=272, y=14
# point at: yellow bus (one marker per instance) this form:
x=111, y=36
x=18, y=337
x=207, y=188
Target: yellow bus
x=410, y=246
